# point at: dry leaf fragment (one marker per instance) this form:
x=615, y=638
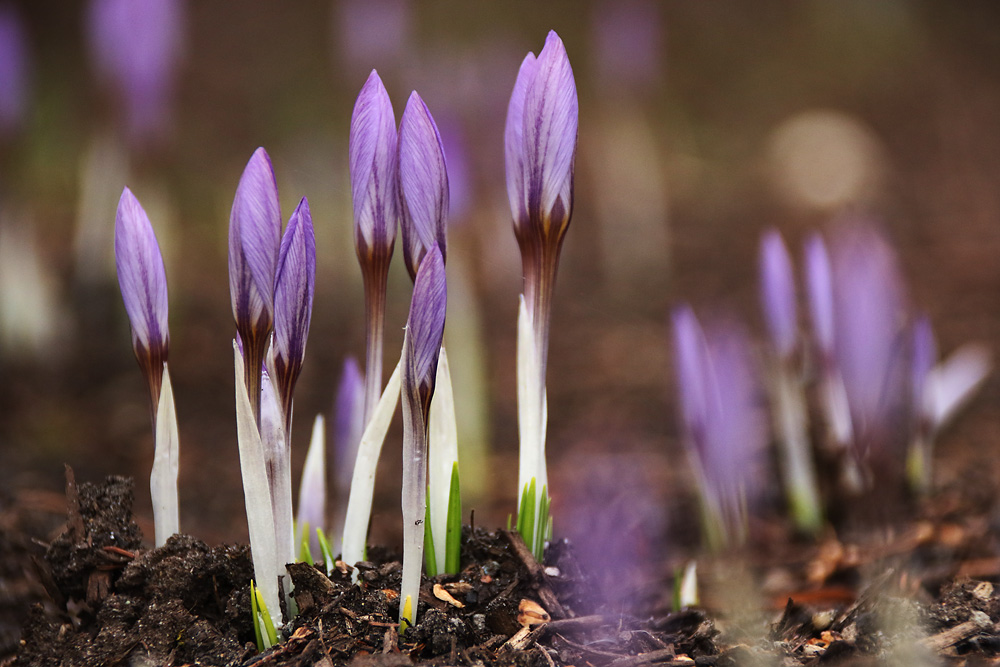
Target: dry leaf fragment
x=441, y=594
x=531, y=613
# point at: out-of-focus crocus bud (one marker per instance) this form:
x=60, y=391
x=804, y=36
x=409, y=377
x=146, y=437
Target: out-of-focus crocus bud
x=254, y=242
x=777, y=282
x=819, y=289
x=924, y=356
x=726, y=429
x=421, y=348
x=293, y=299
x=540, y=153
x=374, y=173
x=869, y=302
x=14, y=66
x=143, y=283
x=423, y=184
x=136, y=46
x=348, y=424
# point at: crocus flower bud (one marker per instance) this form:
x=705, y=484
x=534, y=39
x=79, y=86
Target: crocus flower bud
x=924, y=356
x=540, y=140
x=425, y=328
x=777, y=282
x=348, y=423
x=254, y=240
x=372, y=149
x=15, y=65
x=374, y=167
x=423, y=184
x=293, y=300
x=819, y=289
x=143, y=283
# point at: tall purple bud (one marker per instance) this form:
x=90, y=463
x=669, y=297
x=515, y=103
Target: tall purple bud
x=254, y=241
x=870, y=346
x=373, y=165
x=819, y=290
x=778, y=293
x=15, y=65
x=540, y=140
x=293, y=301
x=421, y=348
x=143, y=283
x=540, y=151
x=423, y=184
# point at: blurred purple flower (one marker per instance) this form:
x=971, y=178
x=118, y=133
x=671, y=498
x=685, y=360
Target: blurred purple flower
x=777, y=281
x=254, y=241
x=819, y=289
x=143, y=283
x=349, y=422
x=540, y=139
x=294, y=285
x=423, y=184
x=628, y=43
x=460, y=186
x=15, y=67
x=721, y=405
x=373, y=31
x=870, y=311
x=136, y=46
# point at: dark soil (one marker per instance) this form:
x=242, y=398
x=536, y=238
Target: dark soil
x=921, y=596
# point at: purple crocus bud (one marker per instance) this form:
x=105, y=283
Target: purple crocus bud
x=14, y=65
x=540, y=139
x=254, y=240
x=819, y=289
x=136, y=46
x=372, y=149
x=423, y=184
x=373, y=165
x=293, y=299
x=349, y=422
x=425, y=328
x=869, y=347
x=720, y=405
x=421, y=349
x=143, y=283
x=777, y=282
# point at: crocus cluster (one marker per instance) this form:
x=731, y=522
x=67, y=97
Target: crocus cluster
x=399, y=179
x=540, y=152
x=869, y=360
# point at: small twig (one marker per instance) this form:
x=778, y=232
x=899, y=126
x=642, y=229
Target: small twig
x=661, y=655
x=958, y=633
x=538, y=577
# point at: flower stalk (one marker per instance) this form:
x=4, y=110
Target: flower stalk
x=540, y=150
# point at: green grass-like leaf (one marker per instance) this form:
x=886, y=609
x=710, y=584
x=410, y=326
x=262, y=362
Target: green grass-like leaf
x=324, y=547
x=263, y=628
x=542, y=525
x=430, y=560
x=453, y=533
x=526, y=516
x=305, y=554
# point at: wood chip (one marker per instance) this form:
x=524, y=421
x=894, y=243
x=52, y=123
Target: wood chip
x=531, y=613
x=441, y=594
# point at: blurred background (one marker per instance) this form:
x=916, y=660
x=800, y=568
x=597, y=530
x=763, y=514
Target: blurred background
x=701, y=124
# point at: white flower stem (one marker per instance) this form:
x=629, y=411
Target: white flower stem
x=163, y=480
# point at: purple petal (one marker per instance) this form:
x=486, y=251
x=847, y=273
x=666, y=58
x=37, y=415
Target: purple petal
x=869, y=300
x=423, y=184
x=514, y=150
x=550, y=133
x=254, y=240
x=924, y=357
x=778, y=292
x=14, y=66
x=372, y=150
x=349, y=421
x=819, y=289
x=141, y=276
x=293, y=297
x=425, y=326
